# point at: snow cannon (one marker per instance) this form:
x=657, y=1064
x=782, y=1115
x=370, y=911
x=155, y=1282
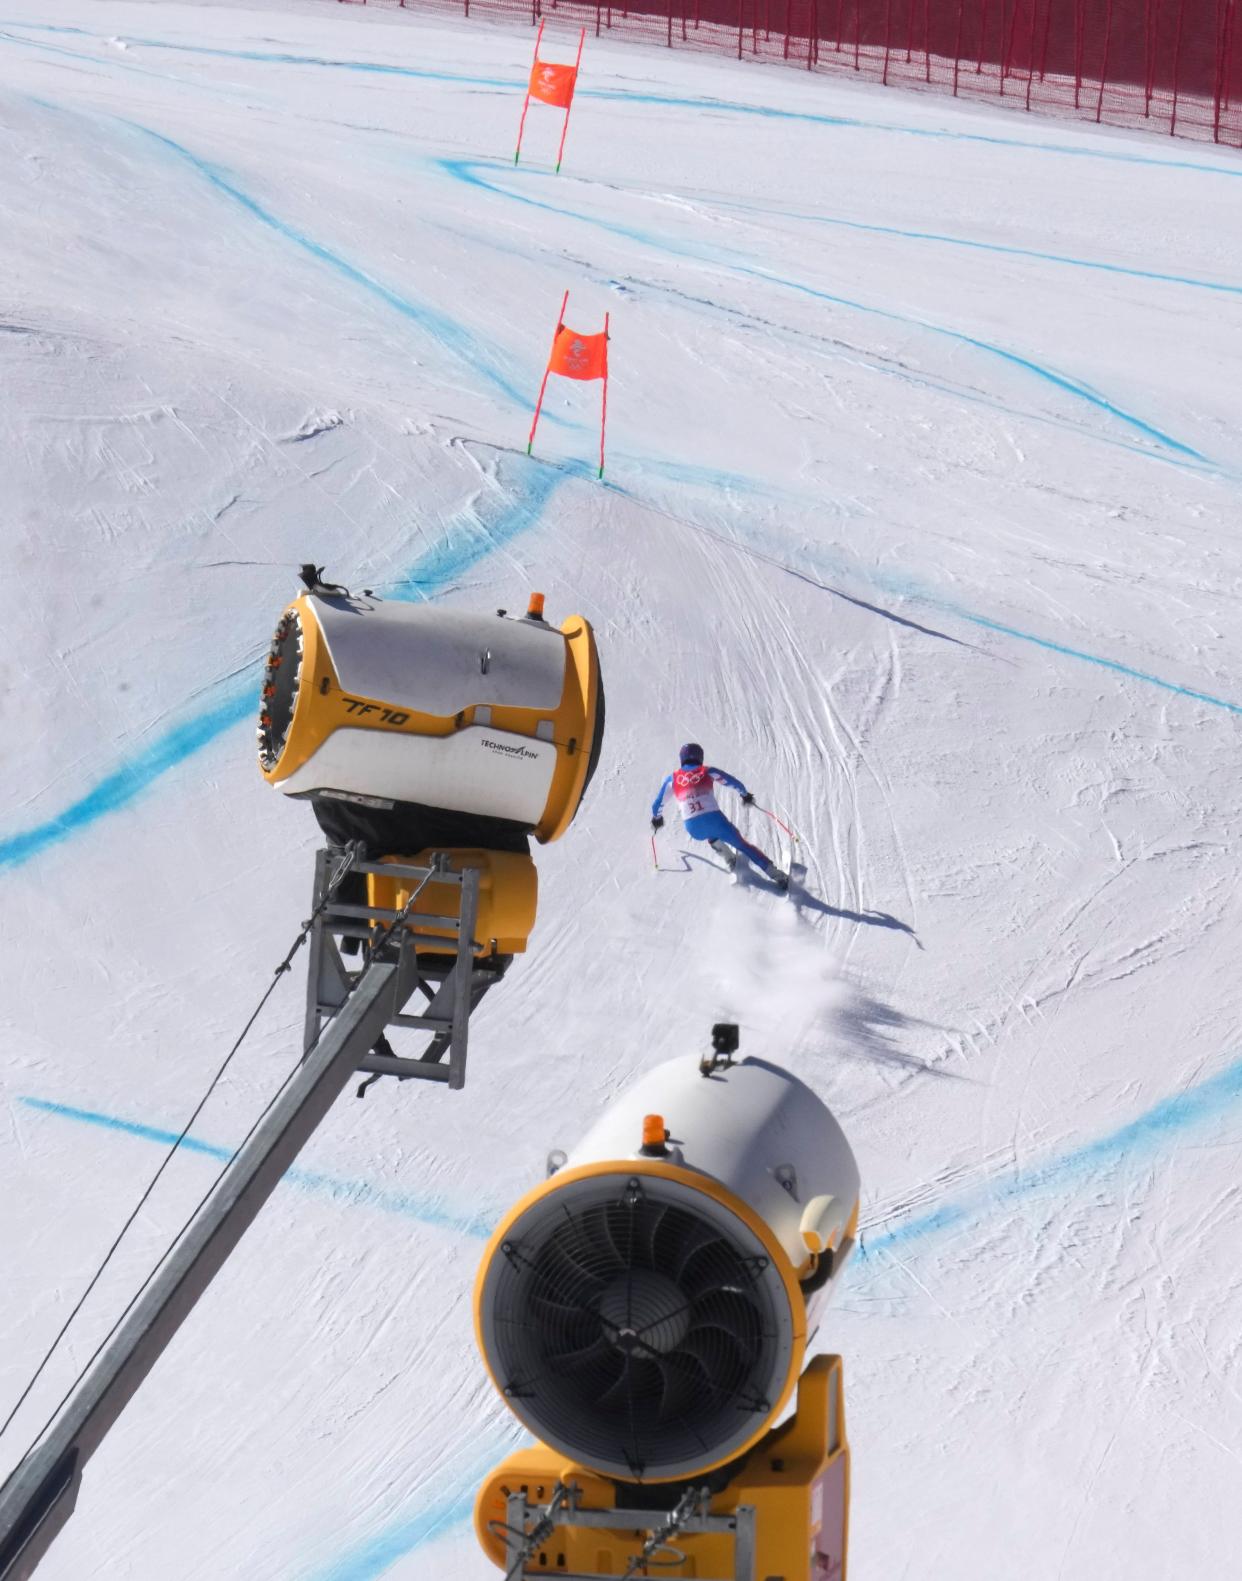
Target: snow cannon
x=646, y=1313
x=412, y=725
x=431, y=744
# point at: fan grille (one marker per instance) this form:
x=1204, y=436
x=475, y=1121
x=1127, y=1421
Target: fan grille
x=638, y=1325
x=282, y=674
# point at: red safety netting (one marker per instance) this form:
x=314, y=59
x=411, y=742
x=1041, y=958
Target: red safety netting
x=1171, y=65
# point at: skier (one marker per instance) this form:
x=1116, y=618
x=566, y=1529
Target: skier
x=693, y=786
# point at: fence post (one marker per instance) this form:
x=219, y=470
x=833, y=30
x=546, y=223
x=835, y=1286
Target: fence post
x=1030, y=53
x=1078, y=30
x=1177, y=66
x=1108, y=38
x=1043, y=53
x=888, y=33
x=1151, y=34
x=1224, y=49
x=926, y=40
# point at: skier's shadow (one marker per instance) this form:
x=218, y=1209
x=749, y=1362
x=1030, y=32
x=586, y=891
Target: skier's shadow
x=805, y=901
x=802, y=898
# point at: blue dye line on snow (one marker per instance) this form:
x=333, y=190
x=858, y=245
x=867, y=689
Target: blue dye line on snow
x=908, y=587
x=1067, y=259
x=455, y=338
x=1196, y=1106
x=466, y=171
x=718, y=479
x=445, y=330
x=117, y=64
x=1087, y=658
x=118, y=789
x=373, y=1556
x=668, y=101
x=353, y=1193
x=430, y=573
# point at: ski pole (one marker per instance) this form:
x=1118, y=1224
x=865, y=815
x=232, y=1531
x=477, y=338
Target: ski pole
x=655, y=860
x=780, y=822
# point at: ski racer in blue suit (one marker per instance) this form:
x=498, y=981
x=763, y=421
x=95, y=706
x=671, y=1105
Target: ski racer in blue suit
x=693, y=786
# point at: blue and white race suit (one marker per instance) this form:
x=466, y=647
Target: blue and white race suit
x=694, y=788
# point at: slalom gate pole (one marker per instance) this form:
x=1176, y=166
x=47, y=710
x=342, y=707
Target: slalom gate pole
x=526, y=101
x=564, y=129
x=547, y=370
x=603, y=416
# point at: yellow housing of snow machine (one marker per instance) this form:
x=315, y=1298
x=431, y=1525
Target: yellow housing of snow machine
x=420, y=704
x=796, y=1480
x=508, y=896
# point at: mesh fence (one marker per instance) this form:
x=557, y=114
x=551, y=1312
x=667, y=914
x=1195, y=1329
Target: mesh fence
x=1173, y=66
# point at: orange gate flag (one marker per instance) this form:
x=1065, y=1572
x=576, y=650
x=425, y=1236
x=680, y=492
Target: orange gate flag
x=576, y=356
x=551, y=83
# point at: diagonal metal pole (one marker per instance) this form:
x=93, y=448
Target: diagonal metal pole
x=39, y=1496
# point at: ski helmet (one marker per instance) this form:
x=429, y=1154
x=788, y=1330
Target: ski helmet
x=691, y=753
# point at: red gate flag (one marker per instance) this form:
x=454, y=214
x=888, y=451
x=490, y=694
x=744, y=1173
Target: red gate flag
x=551, y=83
x=576, y=356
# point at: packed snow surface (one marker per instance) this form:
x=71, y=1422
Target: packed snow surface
x=921, y=512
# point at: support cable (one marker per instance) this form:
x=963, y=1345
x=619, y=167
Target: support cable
x=285, y=966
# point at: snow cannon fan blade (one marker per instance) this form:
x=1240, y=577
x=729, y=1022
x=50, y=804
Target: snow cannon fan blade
x=646, y=1311
x=430, y=726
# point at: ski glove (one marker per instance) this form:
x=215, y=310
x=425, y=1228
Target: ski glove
x=657, y=822
x=748, y=800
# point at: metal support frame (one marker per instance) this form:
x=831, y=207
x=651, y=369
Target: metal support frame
x=39, y=1496
x=528, y=1526
x=445, y=971
x=347, y=1013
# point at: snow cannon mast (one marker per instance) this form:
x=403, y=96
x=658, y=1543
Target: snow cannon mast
x=646, y=1313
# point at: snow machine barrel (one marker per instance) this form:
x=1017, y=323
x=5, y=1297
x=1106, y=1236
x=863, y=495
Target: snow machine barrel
x=412, y=726
x=645, y=1310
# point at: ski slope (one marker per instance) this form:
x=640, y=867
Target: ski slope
x=921, y=513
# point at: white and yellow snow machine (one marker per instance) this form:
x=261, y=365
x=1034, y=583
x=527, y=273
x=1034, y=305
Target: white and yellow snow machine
x=432, y=743
x=648, y=1312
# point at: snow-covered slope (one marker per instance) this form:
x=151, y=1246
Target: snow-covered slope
x=921, y=513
